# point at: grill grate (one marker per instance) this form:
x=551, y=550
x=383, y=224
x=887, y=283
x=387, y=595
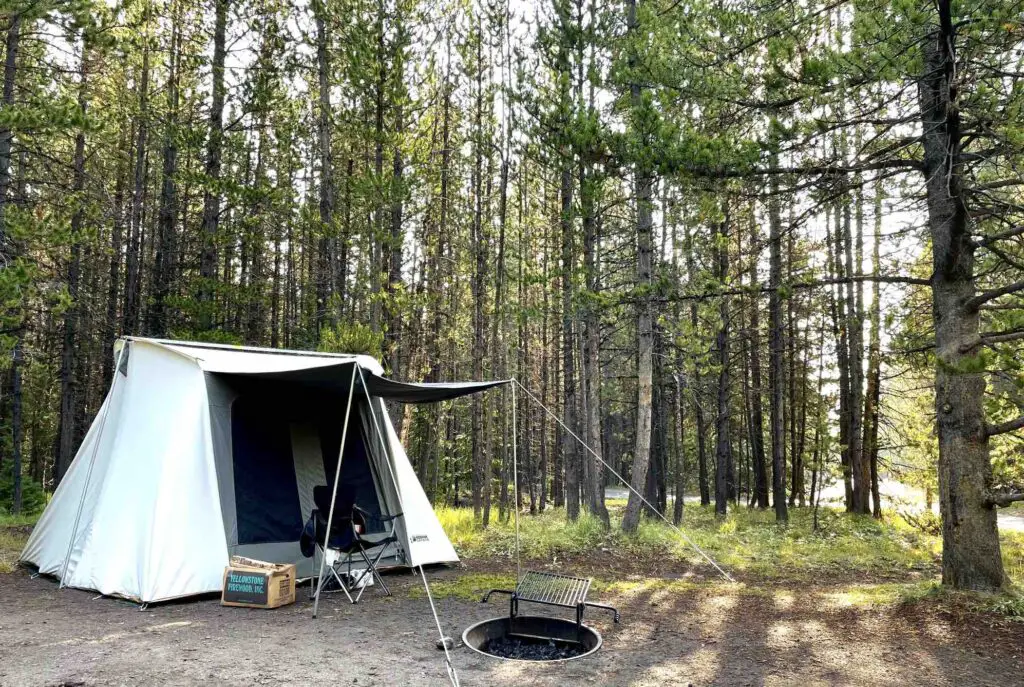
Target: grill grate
x=552, y=588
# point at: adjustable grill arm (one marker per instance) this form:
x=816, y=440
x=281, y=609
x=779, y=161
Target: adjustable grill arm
x=605, y=607
x=496, y=591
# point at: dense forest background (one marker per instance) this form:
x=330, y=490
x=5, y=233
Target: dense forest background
x=746, y=249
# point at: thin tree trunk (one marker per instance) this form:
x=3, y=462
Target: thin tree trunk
x=11, y=43
x=874, y=383
x=168, y=214
x=68, y=377
x=776, y=369
x=326, y=229
x=211, y=192
x=723, y=450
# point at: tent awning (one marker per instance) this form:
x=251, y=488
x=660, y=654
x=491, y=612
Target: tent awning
x=409, y=392
x=315, y=371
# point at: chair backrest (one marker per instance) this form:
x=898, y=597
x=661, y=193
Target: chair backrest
x=343, y=502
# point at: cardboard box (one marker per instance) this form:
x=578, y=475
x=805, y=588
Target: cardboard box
x=255, y=584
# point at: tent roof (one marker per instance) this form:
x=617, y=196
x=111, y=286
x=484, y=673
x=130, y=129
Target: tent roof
x=322, y=371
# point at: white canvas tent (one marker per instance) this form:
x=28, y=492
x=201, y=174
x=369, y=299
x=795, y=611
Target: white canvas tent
x=201, y=451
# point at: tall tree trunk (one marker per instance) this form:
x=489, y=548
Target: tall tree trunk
x=874, y=382
x=841, y=335
x=165, y=241
x=133, y=272
x=326, y=229
x=971, y=556
x=776, y=351
x=723, y=450
x=479, y=272
x=756, y=408
x=68, y=377
x=592, y=349
x=211, y=192
x=698, y=382
x=644, y=183
x=17, y=424
x=395, y=240
x=858, y=467
x=570, y=454
x=11, y=43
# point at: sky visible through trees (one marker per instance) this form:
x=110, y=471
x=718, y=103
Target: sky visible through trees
x=746, y=249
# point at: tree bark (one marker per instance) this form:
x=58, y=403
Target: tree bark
x=11, y=43
x=971, y=556
x=68, y=376
x=756, y=408
x=644, y=184
x=326, y=229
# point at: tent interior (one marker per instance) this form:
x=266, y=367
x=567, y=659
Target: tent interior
x=276, y=437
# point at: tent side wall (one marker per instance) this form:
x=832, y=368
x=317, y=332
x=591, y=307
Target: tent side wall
x=148, y=536
x=47, y=546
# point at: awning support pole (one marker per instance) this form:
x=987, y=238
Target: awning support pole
x=515, y=480
x=453, y=676
x=334, y=490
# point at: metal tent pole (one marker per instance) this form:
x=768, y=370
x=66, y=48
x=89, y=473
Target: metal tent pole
x=515, y=479
x=334, y=490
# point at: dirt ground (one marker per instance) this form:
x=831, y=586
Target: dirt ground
x=706, y=635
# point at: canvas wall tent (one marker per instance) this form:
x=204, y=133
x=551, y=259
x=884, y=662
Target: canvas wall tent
x=202, y=451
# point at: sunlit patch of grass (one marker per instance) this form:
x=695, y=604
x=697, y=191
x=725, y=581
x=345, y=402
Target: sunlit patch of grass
x=468, y=587
x=1013, y=557
x=878, y=595
x=744, y=541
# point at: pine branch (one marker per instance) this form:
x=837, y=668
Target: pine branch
x=1005, y=427
x=986, y=296
x=1002, y=499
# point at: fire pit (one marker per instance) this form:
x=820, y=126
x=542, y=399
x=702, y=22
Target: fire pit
x=535, y=638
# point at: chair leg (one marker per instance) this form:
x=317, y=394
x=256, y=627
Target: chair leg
x=371, y=569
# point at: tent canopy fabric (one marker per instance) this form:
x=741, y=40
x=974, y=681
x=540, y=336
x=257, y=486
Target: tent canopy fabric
x=203, y=451
x=322, y=371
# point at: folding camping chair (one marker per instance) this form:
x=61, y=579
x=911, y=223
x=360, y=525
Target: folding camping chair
x=347, y=543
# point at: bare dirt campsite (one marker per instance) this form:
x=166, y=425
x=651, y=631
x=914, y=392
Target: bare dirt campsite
x=837, y=617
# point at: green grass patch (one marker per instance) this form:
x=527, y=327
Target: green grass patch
x=14, y=531
x=468, y=587
x=745, y=541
